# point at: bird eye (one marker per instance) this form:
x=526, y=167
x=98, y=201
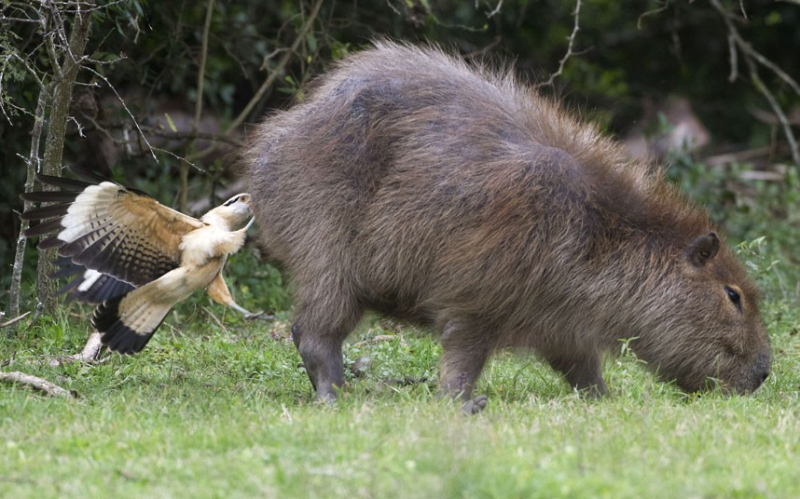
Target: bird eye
x=231, y=201
x=734, y=297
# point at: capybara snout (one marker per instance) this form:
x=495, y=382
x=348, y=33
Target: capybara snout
x=760, y=371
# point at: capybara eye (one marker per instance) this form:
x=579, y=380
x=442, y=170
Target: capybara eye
x=734, y=297
x=732, y=350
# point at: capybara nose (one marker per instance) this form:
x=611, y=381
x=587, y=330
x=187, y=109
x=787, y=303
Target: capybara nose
x=762, y=367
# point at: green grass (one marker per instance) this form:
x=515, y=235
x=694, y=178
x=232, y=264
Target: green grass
x=215, y=407
x=213, y=412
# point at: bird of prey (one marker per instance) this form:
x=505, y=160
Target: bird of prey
x=135, y=257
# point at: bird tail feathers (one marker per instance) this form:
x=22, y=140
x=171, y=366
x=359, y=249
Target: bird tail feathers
x=127, y=323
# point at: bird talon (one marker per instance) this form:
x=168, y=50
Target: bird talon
x=250, y=316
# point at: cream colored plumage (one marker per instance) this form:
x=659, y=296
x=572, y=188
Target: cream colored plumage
x=127, y=236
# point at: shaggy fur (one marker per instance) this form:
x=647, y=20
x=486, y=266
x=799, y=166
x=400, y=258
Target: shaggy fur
x=411, y=183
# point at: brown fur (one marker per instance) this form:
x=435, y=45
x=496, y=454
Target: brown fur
x=411, y=183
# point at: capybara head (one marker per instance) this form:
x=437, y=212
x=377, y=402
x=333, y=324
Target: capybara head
x=706, y=331
x=414, y=184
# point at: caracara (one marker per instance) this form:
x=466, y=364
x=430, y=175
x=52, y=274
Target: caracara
x=136, y=257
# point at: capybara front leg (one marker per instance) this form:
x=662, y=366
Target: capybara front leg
x=463, y=358
x=582, y=371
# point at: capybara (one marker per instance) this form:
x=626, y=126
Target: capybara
x=444, y=193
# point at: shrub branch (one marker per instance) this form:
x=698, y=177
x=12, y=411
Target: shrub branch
x=267, y=84
x=576, y=14
x=753, y=58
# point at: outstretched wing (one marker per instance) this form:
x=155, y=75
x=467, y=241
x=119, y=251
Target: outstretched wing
x=109, y=228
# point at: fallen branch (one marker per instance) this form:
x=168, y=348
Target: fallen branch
x=376, y=339
x=14, y=321
x=737, y=157
x=38, y=384
x=89, y=355
x=406, y=381
x=169, y=134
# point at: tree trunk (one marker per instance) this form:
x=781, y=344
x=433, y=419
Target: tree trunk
x=33, y=165
x=54, y=146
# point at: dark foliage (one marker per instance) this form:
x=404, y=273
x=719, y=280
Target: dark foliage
x=625, y=53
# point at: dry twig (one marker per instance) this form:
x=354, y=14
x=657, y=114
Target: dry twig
x=569, y=53
x=301, y=34
x=14, y=321
x=653, y=12
x=198, y=109
x=38, y=384
x=752, y=58
x=496, y=10
x=89, y=355
x=128, y=111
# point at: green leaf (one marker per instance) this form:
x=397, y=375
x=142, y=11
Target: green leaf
x=170, y=122
x=311, y=40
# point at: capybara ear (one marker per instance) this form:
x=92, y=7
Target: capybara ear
x=703, y=249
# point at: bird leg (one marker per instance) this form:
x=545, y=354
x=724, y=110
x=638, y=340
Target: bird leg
x=249, y=224
x=218, y=291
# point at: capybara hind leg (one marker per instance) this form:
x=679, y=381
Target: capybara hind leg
x=320, y=346
x=582, y=372
x=463, y=356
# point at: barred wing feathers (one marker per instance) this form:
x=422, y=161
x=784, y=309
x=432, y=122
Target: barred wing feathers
x=89, y=286
x=110, y=229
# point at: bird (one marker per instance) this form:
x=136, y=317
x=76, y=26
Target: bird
x=134, y=257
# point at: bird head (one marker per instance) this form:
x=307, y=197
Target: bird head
x=230, y=214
